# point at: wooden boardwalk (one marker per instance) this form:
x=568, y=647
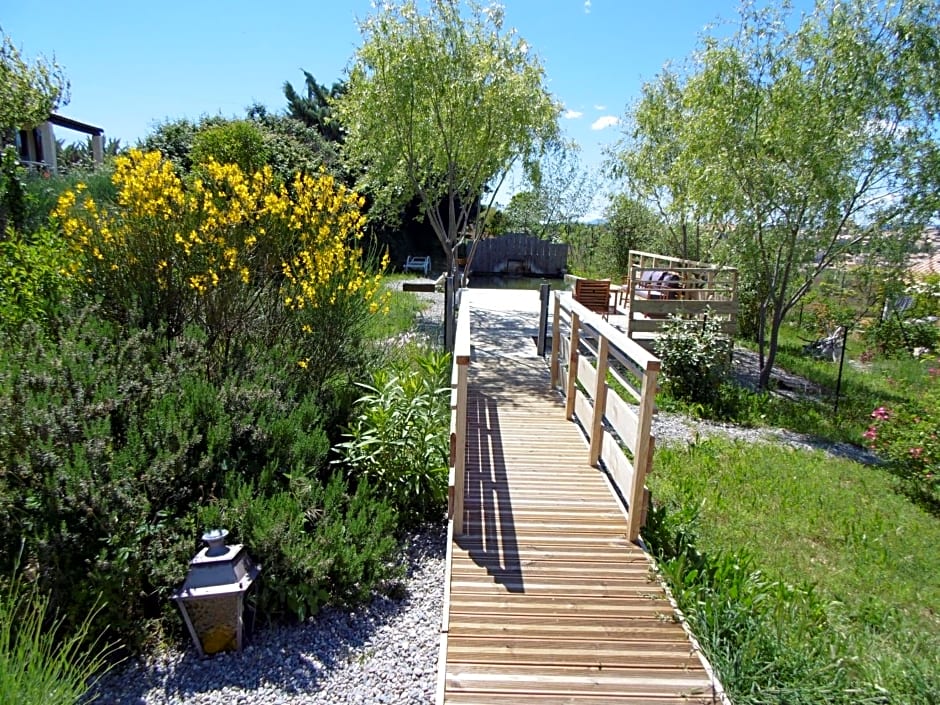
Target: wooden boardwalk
x=547, y=602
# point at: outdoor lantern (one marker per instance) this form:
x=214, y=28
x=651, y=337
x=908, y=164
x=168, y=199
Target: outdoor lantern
x=212, y=599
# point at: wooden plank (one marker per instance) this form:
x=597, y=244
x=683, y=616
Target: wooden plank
x=583, y=409
x=587, y=376
x=623, y=420
x=620, y=468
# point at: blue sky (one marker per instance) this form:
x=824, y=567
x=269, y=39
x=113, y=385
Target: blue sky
x=135, y=64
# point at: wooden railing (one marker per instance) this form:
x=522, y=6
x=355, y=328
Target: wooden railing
x=585, y=350
x=458, y=418
x=693, y=290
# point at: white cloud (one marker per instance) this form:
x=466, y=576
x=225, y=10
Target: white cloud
x=600, y=108
x=604, y=122
x=587, y=7
x=572, y=114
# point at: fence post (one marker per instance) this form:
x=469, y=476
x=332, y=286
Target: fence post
x=642, y=456
x=600, y=402
x=543, y=318
x=556, y=341
x=572, y=365
x=449, y=317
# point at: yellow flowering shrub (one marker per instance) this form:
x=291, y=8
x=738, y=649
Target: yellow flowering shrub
x=226, y=250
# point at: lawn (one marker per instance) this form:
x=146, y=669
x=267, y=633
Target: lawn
x=809, y=578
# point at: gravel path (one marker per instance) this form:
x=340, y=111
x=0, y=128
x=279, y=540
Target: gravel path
x=385, y=652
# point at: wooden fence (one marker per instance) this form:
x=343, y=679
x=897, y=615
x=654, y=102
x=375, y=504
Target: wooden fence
x=518, y=254
x=585, y=350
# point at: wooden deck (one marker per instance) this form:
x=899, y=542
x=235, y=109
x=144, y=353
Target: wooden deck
x=547, y=602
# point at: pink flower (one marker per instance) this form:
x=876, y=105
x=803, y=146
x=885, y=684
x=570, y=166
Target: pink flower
x=881, y=413
x=871, y=434
x=916, y=452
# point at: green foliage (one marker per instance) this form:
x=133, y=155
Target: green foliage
x=895, y=336
x=908, y=436
x=422, y=84
x=632, y=225
x=31, y=283
x=114, y=444
x=319, y=543
x=12, y=191
x=238, y=142
x=29, y=91
x=43, y=192
x=695, y=358
x=398, y=437
x=38, y=664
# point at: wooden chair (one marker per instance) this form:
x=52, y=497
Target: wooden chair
x=593, y=294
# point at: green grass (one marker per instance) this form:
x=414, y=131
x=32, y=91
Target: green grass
x=404, y=307
x=38, y=666
x=863, y=623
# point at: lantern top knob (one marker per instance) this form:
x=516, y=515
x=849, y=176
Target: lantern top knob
x=215, y=539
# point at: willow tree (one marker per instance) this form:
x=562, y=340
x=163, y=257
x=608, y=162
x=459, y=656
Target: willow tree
x=800, y=147
x=439, y=106
x=29, y=91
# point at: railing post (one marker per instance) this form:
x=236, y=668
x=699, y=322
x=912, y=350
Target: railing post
x=459, y=400
x=449, y=319
x=460, y=459
x=556, y=341
x=642, y=455
x=543, y=318
x=572, y=365
x=600, y=402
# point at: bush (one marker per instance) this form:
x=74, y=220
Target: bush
x=237, y=255
x=398, y=438
x=317, y=543
x=695, y=358
x=31, y=284
x=908, y=436
x=893, y=337
x=238, y=142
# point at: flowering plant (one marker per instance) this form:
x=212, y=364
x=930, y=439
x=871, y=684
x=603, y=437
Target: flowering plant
x=910, y=439
x=226, y=251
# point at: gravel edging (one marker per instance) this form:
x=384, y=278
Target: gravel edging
x=383, y=652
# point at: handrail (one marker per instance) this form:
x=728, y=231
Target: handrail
x=610, y=422
x=458, y=417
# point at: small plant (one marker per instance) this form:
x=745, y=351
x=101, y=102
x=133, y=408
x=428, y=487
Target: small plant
x=695, y=357
x=38, y=664
x=398, y=437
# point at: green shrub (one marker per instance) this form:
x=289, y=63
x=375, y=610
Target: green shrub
x=317, y=543
x=695, y=358
x=908, y=436
x=398, y=438
x=238, y=142
x=114, y=443
x=893, y=336
x=32, y=287
x=39, y=665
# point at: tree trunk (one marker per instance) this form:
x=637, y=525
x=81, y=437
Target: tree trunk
x=767, y=364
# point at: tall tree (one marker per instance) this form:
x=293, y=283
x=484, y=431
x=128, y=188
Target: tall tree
x=439, y=106
x=315, y=108
x=559, y=191
x=801, y=147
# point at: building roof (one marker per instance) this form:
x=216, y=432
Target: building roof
x=71, y=124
